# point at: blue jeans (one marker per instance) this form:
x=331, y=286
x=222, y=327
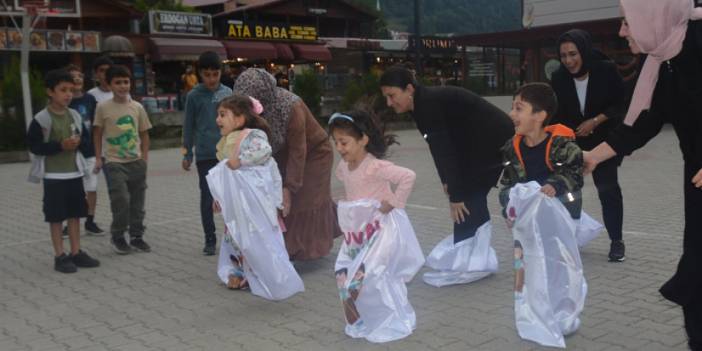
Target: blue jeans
x=206, y=215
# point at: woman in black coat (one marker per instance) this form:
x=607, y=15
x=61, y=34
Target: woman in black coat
x=590, y=95
x=464, y=133
x=668, y=90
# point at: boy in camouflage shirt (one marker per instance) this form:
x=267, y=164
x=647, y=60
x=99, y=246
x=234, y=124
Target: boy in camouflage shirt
x=545, y=154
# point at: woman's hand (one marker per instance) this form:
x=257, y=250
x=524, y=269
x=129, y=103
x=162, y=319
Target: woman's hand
x=459, y=212
x=697, y=179
x=386, y=207
x=287, y=201
x=589, y=162
x=586, y=128
x=215, y=207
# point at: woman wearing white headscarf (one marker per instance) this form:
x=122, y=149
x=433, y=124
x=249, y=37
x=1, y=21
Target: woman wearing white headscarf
x=669, y=90
x=304, y=155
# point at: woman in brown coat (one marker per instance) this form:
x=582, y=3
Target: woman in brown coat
x=304, y=155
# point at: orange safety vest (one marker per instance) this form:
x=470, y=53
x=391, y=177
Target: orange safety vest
x=555, y=130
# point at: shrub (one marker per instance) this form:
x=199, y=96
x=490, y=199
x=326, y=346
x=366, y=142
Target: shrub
x=308, y=86
x=12, y=125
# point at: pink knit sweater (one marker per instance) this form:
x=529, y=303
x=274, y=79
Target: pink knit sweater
x=372, y=179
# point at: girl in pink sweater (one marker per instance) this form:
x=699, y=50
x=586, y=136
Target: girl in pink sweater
x=362, y=146
x=380, y=252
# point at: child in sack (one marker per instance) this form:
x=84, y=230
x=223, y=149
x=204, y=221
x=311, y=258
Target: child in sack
x=395, y=252
x=541, y=153
x=244, y=145
x=549, y=156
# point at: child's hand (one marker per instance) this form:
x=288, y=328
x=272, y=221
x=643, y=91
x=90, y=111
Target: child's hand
x=509, y=222
x=549, y=190
x=233, y=163
x=215, y=207
x=98, y=165
x=70, y=144
x=386, y=207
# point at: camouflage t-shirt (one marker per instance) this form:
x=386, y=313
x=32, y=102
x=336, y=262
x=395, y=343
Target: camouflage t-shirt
x=121, y=124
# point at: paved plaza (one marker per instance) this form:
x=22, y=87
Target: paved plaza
x=171, y=299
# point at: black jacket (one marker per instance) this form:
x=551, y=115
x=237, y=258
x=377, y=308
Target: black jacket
x=465, y=134
x=605, y=94
x=677, y=99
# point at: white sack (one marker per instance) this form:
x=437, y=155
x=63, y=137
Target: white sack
x=464, y=262
x=550, y=288
x=380, y=253
x=249, y=198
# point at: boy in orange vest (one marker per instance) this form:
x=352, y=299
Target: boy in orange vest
x=541, y=153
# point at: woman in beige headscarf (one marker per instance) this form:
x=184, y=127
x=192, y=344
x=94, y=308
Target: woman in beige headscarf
x=304, y=155
x=669, y=90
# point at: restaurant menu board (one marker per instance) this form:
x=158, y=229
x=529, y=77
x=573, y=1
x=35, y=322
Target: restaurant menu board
x=38, y=41
x=14, y=39
x=91, y=41
x=74, y=41
x=53, y=40
x=57, y=41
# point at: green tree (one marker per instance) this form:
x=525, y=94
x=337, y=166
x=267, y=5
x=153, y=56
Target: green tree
x=380, y=27
x=12, y=125
x=308, y=86
x=365, y=88
x=166, y=5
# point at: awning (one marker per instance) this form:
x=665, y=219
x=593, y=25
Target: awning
x=252, y=50
x=176, y=49
x=284, y=52
x=311, y=52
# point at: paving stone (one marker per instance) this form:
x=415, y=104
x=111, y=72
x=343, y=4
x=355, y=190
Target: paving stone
x=171, y=299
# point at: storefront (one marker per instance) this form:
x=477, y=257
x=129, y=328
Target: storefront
x=58, y=40
x=175, y=41
x=536, y=44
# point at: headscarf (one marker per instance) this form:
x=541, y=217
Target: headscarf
x=277, y=102
x=658, y=27
x=583, y=42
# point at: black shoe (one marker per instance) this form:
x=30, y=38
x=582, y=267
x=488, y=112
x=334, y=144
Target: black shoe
x=64, y=264
x=209, y=249
x=81, y=259
x=93, y=229
x=140, y=244
x=616, y=251
x=65, y=231
x=120, y=246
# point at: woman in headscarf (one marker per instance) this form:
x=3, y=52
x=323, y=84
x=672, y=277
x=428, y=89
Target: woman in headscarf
x=591, y=102
x=304, y=155
x=669, y=90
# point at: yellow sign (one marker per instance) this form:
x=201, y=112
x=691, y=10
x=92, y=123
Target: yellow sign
x=267, y=31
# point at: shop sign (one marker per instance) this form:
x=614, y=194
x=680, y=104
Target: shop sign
x=364, y=44
x=265, y=31
x=479, y=68
x=180, y=23
x=434, y=44
x=51, y=40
